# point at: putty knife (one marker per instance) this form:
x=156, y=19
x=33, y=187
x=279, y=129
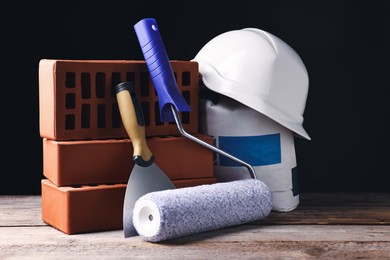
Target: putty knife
x=146, y=176
x=170, y=100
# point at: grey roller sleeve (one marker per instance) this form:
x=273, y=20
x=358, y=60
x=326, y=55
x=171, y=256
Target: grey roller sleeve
x=168, y=214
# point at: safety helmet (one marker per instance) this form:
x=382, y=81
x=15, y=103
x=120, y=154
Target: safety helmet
x=259, y=70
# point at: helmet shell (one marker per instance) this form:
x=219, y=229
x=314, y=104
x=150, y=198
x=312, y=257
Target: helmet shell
x=260, y=71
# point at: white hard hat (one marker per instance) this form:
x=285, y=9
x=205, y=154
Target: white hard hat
x=259, y=70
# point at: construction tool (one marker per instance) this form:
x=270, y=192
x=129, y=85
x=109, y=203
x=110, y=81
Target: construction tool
x=169, y=214
x=146, y=176
x=171, y=102
x=173, y=213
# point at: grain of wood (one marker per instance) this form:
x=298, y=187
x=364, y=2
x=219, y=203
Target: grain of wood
x=20, y=211
x=335, y=209
x=241, y=241
x=23, y=235
x=318, y=208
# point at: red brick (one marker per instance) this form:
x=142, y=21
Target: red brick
x=85, y=209
x=76, y=99
x=110, y=161
x=193, y=182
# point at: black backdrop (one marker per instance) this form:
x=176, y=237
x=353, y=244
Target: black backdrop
x=345, y=46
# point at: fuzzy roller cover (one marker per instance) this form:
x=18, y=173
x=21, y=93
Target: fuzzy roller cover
x=174, y=213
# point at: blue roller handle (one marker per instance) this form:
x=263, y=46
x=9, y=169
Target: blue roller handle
x=160, y=69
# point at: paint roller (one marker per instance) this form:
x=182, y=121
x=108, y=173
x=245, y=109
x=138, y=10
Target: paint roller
x=174, y=213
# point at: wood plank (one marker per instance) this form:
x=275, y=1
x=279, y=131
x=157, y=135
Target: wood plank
x=314, y=208
x=20, y=211
x=23, y=235
x=248, y=241
x=336, y=208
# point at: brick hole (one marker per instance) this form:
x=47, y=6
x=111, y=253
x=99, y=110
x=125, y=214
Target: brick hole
x=186, y=78
x=101, y=116
x=130, y=76
x=115, y=116
x=69, y=122
x=174, y=74
x=185, y=118
x=146, y=112
x=144, y=82
x=187, y=96
x=115, y=80
x=85, y=115
x=100, y=85
x=70, y=101
x=85, y=85
x=70, y=80
x=157, y=118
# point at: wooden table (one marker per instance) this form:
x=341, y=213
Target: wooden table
x=338, y=226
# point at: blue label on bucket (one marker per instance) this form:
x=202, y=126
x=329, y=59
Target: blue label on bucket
x=255, y=150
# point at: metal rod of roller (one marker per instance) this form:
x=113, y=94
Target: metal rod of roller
x=211, y=147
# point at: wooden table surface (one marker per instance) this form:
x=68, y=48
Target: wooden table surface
x=324, y=226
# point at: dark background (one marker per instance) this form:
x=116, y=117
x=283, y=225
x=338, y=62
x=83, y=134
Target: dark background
x=345, y=46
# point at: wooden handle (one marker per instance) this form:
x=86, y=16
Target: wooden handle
x=132, y=119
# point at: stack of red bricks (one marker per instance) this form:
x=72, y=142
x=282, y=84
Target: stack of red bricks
x=87, y=154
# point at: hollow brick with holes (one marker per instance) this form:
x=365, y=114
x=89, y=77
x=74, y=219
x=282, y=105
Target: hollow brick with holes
x=84, y=209
x=110, y=161
x=77, y=100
